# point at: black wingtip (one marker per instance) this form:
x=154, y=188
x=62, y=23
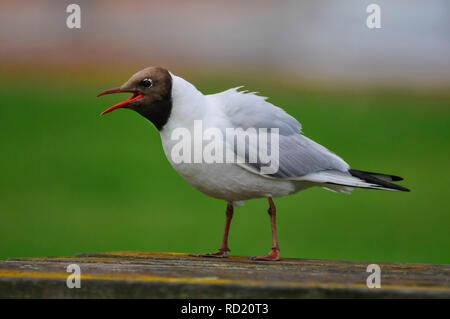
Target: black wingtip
x=388, y=177
x=377, y=178
x=395, y=178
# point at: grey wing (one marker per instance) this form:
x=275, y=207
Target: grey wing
x=300, y=156
x=248, y=110
x=301, y=159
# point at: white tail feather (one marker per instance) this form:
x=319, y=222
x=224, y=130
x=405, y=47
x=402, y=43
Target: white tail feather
x=338, y=178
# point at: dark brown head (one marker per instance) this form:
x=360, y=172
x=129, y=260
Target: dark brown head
x=152, y=95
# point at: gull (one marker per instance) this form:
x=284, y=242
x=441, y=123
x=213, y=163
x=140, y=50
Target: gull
x=172, y=103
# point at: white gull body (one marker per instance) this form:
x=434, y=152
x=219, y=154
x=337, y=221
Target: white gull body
x=302, y=164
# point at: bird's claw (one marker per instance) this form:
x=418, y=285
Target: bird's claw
x=274, y=255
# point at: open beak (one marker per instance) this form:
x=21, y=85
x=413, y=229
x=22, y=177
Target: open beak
x=136, y=95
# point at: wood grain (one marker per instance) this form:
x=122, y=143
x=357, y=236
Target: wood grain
x=176, y=275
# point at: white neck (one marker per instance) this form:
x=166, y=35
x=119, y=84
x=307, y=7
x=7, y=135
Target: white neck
x=188, y=104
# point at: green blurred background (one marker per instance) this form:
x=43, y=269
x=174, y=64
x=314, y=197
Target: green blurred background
x=73, y=181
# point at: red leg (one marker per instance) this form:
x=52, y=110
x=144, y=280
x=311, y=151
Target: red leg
x=275, y=253
x=222, y=252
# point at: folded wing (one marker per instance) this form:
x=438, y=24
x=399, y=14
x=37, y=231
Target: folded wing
x=300, y=158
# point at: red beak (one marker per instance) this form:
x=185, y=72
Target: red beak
x=134, y=97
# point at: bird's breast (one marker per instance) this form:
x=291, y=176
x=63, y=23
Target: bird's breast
x=228, y=181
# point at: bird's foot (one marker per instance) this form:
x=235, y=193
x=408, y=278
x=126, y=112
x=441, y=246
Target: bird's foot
x=274, y=255
x=221, y=253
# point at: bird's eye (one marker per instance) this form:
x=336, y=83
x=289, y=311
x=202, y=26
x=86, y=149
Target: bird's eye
x=147, y=83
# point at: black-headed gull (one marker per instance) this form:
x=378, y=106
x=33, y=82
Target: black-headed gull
x=176, y=107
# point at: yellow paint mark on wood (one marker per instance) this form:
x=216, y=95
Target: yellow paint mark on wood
x=81, y=259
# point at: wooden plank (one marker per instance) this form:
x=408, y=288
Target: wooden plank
x=174, y=275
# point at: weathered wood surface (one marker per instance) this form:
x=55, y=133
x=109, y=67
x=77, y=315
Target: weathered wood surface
x=174, y=275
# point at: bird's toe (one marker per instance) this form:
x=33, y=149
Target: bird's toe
x=274, y=255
